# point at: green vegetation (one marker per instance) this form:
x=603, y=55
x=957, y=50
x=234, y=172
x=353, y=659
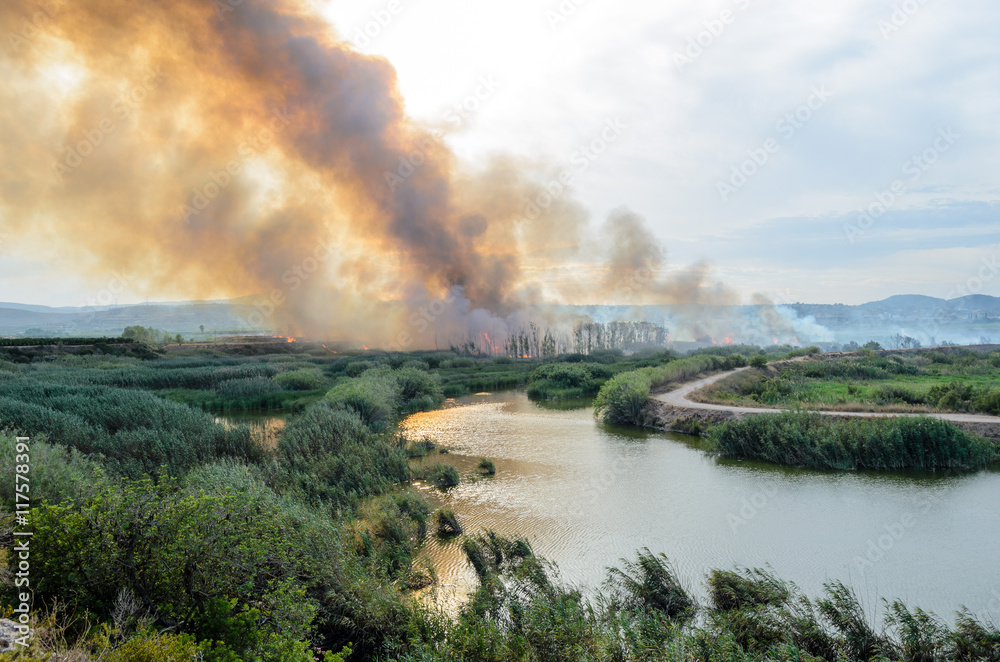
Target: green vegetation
x=564, y=381
x=162, y=535
x=447, y=522
x=486, y=467
x=623, y=397
x=521, y=612
x=36, y=342
x=956, y=380
x=148, y=335
x=830, y=442
x=443, y=476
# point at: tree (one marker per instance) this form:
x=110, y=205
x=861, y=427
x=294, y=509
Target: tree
x=202, y=327
x=759, y=361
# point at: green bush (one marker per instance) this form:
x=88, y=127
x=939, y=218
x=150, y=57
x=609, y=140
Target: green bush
x=58, y=474
x=247, y=387
x=330, y=456
x=623, y=397
x=758, y=361
x=830, y=442
x=374, y=396
x=305, y=379
x=443, y=476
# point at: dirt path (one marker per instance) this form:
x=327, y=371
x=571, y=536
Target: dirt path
x=679, y=398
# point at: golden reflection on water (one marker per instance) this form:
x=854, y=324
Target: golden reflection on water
x=267, y=427
x=587, y=495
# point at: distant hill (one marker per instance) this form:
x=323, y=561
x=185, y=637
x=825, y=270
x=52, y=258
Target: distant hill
x=182, y=317
x=969, y=319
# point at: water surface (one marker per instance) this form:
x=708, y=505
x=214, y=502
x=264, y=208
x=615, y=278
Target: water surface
x=586, y=495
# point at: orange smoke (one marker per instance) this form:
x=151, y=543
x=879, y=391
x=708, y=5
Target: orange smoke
x=223, y=149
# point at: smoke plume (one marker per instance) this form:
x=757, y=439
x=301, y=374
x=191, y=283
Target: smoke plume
x=221, y=148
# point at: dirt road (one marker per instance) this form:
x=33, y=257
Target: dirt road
x=679, y=398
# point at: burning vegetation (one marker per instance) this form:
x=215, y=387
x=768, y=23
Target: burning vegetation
x=241, y=150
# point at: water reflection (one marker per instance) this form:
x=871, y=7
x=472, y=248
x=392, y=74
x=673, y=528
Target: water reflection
x=267, y=426
x=587, y=495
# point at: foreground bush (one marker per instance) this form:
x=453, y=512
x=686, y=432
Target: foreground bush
x=830, y=442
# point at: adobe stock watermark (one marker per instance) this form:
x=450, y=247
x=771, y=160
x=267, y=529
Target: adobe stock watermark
x=121, y=108
x=365, y=34
x=902, y=12
x=786, y=127
x=637, y=279
x=991, y=614
x=217, y=181
x=698, y=43
x=21, y=552
x=749, y=508
x=599, y=486
x=562, y=12
x=987, y=271
x=32, y=26
x=881, y=545
x=580, y=161
x=294, y=278
x=456, y=116
x=914, y=167
x=422, y=319
x=223, y=7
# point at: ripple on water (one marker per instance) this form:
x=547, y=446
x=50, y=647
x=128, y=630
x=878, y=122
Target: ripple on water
x=586, y=495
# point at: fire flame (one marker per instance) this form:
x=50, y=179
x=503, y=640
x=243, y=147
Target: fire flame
x=286, y=338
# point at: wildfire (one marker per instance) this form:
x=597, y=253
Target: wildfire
x=366, y=347
x=728, y=340
x=286, y=338
x=329, y=350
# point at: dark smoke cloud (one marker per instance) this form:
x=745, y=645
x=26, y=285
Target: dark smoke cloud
x=211, y=149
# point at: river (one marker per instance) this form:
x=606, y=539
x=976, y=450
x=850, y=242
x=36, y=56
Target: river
x=586, y=495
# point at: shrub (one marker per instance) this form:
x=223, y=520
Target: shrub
x=486, y=467
x=329, y=455
x=418, y=389
x=650, y=585
x=830, y=442
x=623, y=397
x=441, y=475
x=374, y=396
x=447, y=522
x=305, y=379
x=59, y=474
x=758, y=361
x=248, y=387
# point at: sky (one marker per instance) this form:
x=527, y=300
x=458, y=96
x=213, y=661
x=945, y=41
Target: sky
x=835, y=152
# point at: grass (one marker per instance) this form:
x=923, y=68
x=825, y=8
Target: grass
x=623, y=398
x=566, y=381
x=175, y=538
x=447, y=523
x=926, y=381
x=443, y=476
x=828, y=442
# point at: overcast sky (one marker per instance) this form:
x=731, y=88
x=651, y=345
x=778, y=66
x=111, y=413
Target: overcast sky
x=854, y=105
